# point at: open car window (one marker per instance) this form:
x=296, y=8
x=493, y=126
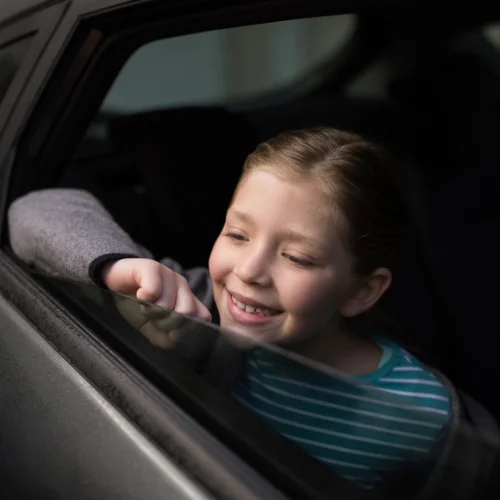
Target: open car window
x=374, y=435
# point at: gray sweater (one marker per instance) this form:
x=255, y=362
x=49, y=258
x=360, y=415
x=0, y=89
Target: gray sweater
x=68, y=233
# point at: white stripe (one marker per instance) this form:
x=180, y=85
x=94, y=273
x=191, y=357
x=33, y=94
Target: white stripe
x=412, y=381
x=338, y=420
x=413, y=394
x=362, y=478
x=346, y=408
x=339, y=434
x=253, y=363
x=342, y=449
x=356, y=466
x=266, y=363
x=408, y=369
x=342, y=463
x=353, y=396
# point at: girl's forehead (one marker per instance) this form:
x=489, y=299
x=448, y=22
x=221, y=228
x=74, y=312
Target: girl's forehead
x=263, y=181
x=265, y=190
x=293, y=205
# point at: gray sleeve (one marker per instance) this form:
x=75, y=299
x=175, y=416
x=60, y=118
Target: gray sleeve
x=62, y=231
x=68, y=233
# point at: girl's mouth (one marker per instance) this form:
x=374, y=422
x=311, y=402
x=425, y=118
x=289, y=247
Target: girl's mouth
x=249, y=314
x=259, y=311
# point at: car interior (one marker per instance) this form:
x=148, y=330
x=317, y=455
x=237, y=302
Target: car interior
x=428, y=88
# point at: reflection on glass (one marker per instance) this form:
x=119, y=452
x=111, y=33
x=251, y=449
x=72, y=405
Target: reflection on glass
x=371, y=429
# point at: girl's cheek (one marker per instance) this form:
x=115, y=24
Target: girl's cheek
x=212, y=261
x=302, y=295
x=217, y=262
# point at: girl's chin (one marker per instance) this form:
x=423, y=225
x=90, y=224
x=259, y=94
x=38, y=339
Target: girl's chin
x=246, y=338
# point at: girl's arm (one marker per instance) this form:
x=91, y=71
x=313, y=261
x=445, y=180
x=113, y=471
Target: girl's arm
x=68, y=233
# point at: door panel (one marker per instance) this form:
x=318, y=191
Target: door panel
x=60, y=438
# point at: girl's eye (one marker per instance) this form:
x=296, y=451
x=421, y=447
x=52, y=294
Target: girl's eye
x=297, y=261
x=235, y=236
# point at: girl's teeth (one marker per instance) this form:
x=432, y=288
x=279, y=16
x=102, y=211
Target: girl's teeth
x=251, y=309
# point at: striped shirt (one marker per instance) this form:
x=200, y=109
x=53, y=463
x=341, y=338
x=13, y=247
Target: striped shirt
x=365, y=427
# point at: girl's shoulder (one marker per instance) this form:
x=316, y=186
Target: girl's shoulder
x=403, y=376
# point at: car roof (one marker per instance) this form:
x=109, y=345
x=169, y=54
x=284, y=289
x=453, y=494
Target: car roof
x=11, y=9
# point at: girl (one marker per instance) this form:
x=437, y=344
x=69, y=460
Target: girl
x=307, y=249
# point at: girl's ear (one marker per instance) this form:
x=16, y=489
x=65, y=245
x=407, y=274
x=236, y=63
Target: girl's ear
x=367, y=293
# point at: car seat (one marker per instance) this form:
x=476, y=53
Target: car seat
x=454, y=190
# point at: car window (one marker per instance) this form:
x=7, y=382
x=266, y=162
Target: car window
x=224, y=66
x=492, y=34
x=11, y=55
x=371, y=431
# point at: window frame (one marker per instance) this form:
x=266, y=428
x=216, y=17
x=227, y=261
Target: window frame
x=28, y=39
x=39, y=27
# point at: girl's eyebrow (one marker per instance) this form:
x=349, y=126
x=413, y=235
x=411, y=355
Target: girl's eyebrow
x=292, y=236
x=241, y=216
x=301, y=238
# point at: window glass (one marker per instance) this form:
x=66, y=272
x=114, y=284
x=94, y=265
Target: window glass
x=221, y=67
x=492, y=34
x=373, y=431
x=11, y=56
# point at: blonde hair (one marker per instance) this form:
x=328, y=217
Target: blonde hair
x=357, y=178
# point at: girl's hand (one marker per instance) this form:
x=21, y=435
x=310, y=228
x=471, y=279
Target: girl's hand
x=150, y=281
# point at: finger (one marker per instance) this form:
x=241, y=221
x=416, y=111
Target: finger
x=165, y=320
x=185, y=300
x=130, y=311
x=157, y=337
x=202, y=312
x=157, y=285
x=176, y=336
x=168, y=322
x=189, y=327
x=148, y=279
x=188, y=304
x=152, y=311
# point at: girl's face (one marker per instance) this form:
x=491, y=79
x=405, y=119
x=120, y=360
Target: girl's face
x=279, y=270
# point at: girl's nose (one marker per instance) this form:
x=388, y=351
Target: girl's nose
x=253, y=269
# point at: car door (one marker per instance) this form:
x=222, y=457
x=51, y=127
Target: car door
x=80, y=419
x=37, y=430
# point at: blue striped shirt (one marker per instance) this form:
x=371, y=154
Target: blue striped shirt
x=366, y=427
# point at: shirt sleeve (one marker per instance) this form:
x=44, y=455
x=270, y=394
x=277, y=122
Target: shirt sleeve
x=68, y=233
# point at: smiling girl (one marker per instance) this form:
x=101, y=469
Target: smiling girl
x=308, y=247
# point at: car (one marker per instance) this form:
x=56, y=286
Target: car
x=127, y=100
